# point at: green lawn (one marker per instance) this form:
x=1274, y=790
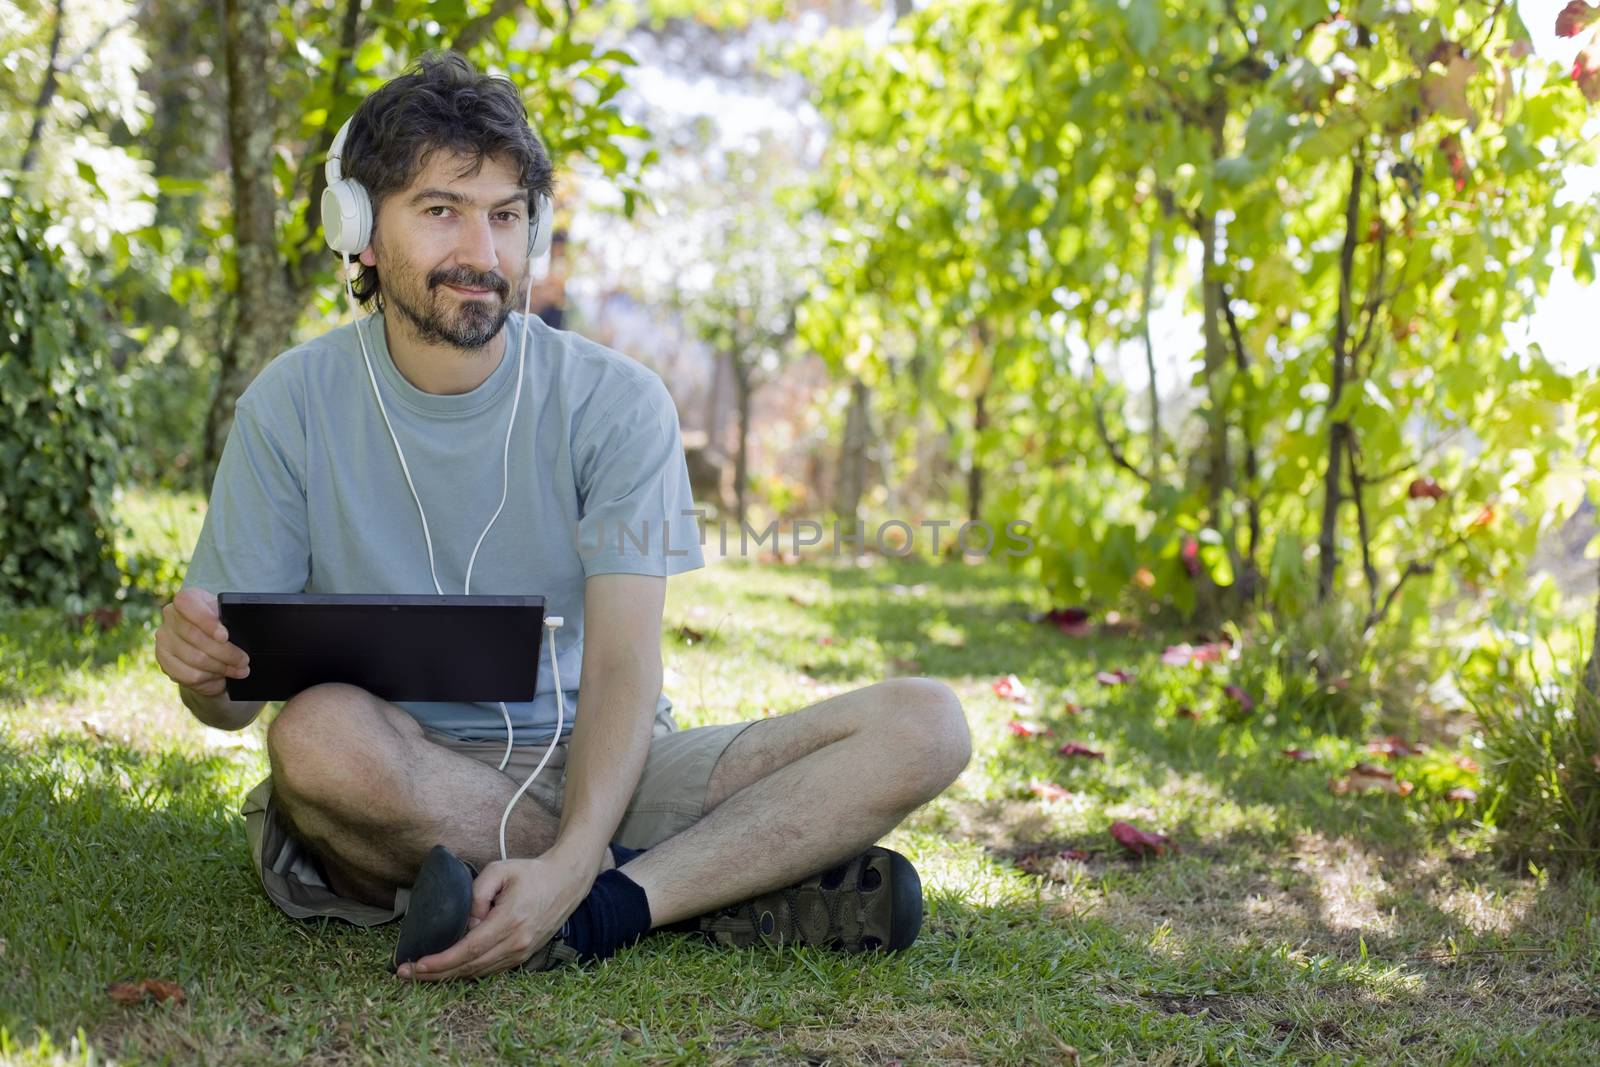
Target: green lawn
x=1292, y=925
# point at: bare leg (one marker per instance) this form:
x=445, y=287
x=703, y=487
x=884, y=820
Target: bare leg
x=795, y=795
x=362, y=785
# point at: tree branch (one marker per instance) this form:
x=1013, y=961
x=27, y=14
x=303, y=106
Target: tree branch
x=1118, y=457
x=473, y=32
x=1339, y=429
x=1358, y=494
x=349, y=35
x=1147, y=290
x=1412, y=569
x=1252, y=466
x=47, y=91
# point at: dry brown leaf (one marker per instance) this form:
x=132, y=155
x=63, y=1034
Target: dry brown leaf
x=157, y=989
x=1446, y=93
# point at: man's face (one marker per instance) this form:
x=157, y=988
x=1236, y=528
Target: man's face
x=450, y=251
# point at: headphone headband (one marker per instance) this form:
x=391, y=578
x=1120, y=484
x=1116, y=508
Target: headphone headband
x=347, y=209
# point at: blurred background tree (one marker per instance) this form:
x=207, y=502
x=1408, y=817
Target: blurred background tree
x=1228, y=304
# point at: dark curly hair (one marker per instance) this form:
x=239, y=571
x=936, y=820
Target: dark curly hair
x=440, y=102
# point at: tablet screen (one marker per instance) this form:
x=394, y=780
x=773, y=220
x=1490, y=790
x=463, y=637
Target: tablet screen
x=398, y=647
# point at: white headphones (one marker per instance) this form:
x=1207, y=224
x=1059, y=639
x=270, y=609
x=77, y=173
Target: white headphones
x=347, y=209
x=347, y=225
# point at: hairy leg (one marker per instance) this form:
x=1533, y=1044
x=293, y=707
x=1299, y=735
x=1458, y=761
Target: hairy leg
x=797, y=794
x=364, y=787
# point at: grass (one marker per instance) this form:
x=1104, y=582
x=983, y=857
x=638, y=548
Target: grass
x=1292, y=925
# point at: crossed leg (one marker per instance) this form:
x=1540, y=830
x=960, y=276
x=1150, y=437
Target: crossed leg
x=791, y=796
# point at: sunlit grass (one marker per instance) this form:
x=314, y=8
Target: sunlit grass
x=1291, y=923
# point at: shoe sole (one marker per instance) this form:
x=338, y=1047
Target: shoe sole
x=441, y=903
x=905, y=887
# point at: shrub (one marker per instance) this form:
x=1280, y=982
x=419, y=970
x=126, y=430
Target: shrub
x=1319, y=669
x=59, y=435
x=1542, y=766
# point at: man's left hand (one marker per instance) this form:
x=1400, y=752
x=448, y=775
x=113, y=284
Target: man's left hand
x=517, y=905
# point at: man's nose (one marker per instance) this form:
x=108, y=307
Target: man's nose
x=476, y=249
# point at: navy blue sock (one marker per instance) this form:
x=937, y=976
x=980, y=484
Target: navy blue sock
x=621, y=855
x=614, y=915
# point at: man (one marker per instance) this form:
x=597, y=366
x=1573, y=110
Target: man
x=634, y=825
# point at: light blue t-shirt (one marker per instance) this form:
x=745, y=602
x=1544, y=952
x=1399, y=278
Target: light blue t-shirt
x=310, y=496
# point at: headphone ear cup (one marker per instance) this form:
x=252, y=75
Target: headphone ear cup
x=541, y=229
x=346, y=217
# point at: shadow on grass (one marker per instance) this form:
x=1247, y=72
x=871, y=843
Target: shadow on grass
x=125, y=864
x=40, y=648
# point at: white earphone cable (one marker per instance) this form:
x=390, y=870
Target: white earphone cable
x=553, y=622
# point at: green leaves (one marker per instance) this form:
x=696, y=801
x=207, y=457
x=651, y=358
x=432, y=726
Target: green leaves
x=1009, y=165
x=59, y=440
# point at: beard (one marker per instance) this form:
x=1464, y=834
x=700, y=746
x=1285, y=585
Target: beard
x=441, y=316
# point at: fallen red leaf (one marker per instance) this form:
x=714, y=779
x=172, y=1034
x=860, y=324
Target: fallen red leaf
x=1037, y=861
x=1394, y=745
x=1141, y=842
x=1239, y=697
x=1365, y=778
x=1116, y=677
x=1071, y=621
x=1185, y=654
x=1049, y=790
x=156, y=989
x=1465, y=794
x=125, y=992
x=1011, y=688
x=1073, y=748
x=1188, y=713
x=1574, y=18
x=1024, y=728
x=1299, y=755
x=1424, y=488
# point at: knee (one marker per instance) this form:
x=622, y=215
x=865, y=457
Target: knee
x=929, y=718
x=319, y=733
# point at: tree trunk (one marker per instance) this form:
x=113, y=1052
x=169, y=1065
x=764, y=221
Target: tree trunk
x=853, y=456
x=1591, y=674
x=1339, y=430
x=741, y=462
x=266, y=306
x=980, y=422
x=1147, y=290
x=47, y=92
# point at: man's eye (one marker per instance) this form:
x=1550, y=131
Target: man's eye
x=510, y=216
x=438, y=207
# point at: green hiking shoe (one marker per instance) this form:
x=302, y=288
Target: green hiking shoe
x=871, y=903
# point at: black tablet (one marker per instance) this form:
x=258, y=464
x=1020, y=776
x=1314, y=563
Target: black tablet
x=399, y=647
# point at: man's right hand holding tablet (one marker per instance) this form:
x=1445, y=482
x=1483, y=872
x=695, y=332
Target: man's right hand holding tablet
x=193, y=650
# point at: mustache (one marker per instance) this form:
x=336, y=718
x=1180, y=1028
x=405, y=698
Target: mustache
x=469, y=280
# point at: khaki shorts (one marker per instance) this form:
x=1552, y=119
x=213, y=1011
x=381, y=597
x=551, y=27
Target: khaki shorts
x=670, y=798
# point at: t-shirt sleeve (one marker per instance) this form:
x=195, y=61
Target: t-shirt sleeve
x=636, y=509
x=255, y=538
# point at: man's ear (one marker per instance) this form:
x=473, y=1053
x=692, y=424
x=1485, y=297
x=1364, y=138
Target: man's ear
x=368, y=256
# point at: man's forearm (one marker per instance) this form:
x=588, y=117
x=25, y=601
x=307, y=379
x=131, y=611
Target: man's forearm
x=610, y=741
x=220, y=712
